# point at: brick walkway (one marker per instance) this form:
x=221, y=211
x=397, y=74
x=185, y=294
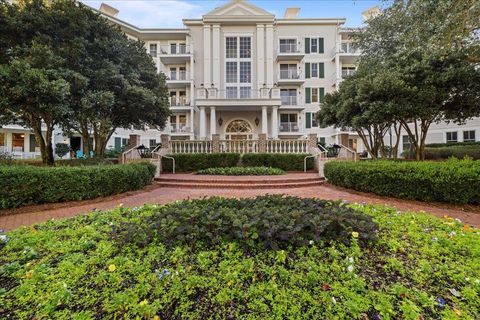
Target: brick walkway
x=152, y=195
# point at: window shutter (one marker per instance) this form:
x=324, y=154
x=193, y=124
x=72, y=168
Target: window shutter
x=320, y=45
x=321, y=70
x=308, y=98
x=118, y=143
x=308, y=125
x=307, y=70
x=307, y=45
x=321, y=94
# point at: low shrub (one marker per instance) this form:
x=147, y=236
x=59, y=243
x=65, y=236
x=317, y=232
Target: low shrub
x=459, y=152
x=271, y=221
x=454, y=181
x=419, y=266
x=24, y=185
x=199, y=161
x=287, y=162
x=242, y=171
x=452, y=144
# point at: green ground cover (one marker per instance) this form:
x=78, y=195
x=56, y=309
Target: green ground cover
x=271, y=257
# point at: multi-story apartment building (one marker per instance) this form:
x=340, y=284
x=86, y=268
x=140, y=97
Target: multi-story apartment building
x=240, y=71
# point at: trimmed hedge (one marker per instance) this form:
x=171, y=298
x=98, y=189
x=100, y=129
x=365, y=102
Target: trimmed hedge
x=454, y=181
x=199, y=161
x=242, y=171
x=452, y=144
x=459, y=152
x=25, y=185
x=287, y=162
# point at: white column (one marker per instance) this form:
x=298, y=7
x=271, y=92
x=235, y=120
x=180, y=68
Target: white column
x=216, y=56
x=206, y=56
x=264, y=120
x=213, y=121
x=192, y=118
x=338, y=68
x=203, y=123
x=269, y=54
x=275, y=122
x=260, y=56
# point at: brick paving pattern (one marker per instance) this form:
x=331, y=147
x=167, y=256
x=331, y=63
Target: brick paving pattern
x=161, y=195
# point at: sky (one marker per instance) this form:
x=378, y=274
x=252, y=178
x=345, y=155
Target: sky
x=169, y=13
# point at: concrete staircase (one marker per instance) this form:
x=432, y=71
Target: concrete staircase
x=191, y=181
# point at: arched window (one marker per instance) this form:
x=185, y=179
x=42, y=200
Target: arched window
x=239, y=126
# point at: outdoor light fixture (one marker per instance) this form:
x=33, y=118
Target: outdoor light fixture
x=220, y=121
x=257, y=121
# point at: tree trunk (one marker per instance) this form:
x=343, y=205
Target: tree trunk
x=45, y=144
x=398, y=134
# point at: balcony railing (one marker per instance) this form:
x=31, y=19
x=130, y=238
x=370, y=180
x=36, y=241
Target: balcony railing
x=349, y=48
x=289, y=75
x=346, y=73
x=289, y=127
x=289, y=100
x=179, y=103
x=246, y=93
x=177, y=49
x=181, y=128
x=288, y=48
x=178, y=76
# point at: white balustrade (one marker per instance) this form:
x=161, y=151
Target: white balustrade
x=239, y=146
x=190, y=146
x=287, y=146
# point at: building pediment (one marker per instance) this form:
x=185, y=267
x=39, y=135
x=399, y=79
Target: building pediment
x=238, y=10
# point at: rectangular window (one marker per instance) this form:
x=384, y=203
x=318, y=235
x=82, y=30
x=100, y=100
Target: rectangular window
x=314, y=120
x=314, y=70
x=2, y=139
x=152, y=143
x=125, y=142
x=469, y=136
x=245, y=93
x=314, y=45
x=245, y=72
x=231, y=93
x=33, y=143
x=173, y=74
x=245, y=47
x=288, y=71
x=231, y=72
x=18, y=142
x=182, y=73
x=406, y=143
x=288, y=45
x=173, y=48
x=182, y=119
x=314, y=95
x=153, y=50
x=452, y=137
x=231, y=47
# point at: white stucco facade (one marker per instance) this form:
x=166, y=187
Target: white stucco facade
x=240, y=71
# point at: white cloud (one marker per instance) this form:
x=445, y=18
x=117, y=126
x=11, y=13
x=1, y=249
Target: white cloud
x=157, y=14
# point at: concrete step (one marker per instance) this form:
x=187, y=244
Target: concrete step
x=230, y=180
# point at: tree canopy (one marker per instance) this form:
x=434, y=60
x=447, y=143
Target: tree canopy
x=109, y=80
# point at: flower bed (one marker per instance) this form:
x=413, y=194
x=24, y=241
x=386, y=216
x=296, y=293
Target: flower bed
x=242, y=171
x=218, y=258
x=24, y=185
x=454, y=181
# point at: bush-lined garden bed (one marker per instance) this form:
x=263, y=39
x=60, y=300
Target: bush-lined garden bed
x=24, y=185
x=287, y=162
x=459, y=152
x=264, y=258
x=455, y=181
x=242, y=171
x=201, y=161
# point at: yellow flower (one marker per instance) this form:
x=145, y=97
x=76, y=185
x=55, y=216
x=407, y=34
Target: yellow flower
x=112, y=268
x=144, y=302
x=230, y=283
x=457, y=312
x=29, y=274
x=355, y=234
x=156, y=318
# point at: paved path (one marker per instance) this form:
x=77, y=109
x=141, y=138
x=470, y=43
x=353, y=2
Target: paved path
x=153, y=194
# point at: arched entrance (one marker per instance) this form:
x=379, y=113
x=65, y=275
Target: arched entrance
x=239, y=129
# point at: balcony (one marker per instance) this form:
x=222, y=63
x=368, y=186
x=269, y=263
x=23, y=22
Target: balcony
x=289, y=127
x=348, y=52
x=346, y=73
x=175, y=53
x=289, y=100
x=181, y=103
x=179, y=129
x=289, y=51
x=290, y=77
x=179, y=79
x=238, y=97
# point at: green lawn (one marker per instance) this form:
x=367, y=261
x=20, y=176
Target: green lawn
x=263, y=258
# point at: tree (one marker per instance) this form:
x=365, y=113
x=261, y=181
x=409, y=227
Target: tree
x=33, y=92
x=431, y=67
x=61, y=149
